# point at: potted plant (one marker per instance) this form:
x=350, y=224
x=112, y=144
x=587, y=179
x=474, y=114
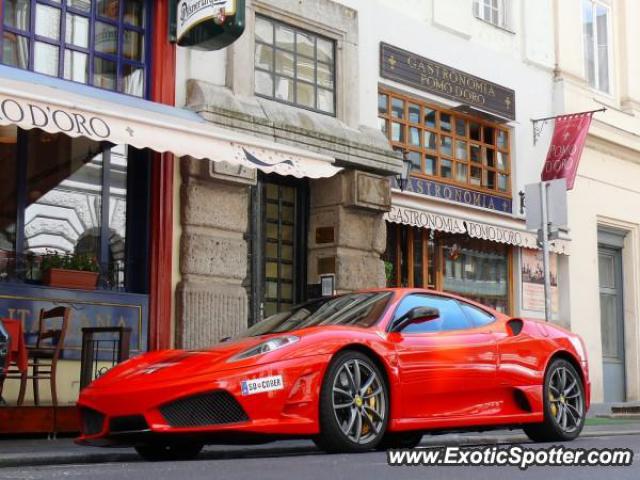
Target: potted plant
x=70, y=271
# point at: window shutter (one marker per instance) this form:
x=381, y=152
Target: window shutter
x=476, y=8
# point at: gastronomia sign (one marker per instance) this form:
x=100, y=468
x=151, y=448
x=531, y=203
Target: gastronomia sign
x=30, y=115
x=445, y=81
x=445, y=223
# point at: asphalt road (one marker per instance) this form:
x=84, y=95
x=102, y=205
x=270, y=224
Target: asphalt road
x=304, y=463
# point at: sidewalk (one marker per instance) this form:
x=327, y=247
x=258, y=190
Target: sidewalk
x=34, y=452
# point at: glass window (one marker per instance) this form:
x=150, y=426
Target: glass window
x=451, y=316
x=496, y=12
x=477, y=317
x=478, y=272
x=303, y=72
x=97, y=42
x=595, y=33
x=448, y=141
x=279, y=256
x=63, y=203
x=354, y=309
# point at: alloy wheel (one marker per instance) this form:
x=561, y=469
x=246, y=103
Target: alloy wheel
x=566, y=399
x=359, y=401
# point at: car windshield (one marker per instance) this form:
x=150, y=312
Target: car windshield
x=354, y=309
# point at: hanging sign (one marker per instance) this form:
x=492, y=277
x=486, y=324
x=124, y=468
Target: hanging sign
x=566, y=147
x=209, y=24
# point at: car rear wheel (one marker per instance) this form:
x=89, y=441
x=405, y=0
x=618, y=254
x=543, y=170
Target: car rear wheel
x=354, y=405
x=156, y=452
x=564, y=405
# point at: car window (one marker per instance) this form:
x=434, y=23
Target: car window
x=353, y=309
x=478, y=317
x=451, y=315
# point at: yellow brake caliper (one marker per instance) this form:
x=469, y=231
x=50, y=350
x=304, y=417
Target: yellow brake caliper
x=554, y=407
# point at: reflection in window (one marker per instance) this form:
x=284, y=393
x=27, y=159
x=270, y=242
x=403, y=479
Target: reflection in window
x=595, y=32
x=294, y=66
x=450, y=145
x=63, y=205
x=105, y=48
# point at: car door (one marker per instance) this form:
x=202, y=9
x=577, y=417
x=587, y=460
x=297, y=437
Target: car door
x=447, y=365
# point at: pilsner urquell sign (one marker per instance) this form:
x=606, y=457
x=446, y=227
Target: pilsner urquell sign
x=433, y=77
x=209, y=24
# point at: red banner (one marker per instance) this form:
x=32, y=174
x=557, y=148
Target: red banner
x=566, y=147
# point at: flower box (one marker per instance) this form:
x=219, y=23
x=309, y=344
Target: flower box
x=63, y=278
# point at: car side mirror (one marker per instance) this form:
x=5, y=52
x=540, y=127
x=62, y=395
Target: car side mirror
x=415, y=315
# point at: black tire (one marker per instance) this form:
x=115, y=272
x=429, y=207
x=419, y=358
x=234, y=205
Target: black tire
x=334, y=417
x=400, y=440
x=159, y=452
x=552, y=428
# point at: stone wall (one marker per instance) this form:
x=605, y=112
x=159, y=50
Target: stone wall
x=211, y=301
x=347, y=232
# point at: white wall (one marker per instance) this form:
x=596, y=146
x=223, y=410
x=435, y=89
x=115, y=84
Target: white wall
x=607, y=189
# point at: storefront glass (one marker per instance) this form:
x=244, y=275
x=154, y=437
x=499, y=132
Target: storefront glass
x=476, y=269
x=55, y=206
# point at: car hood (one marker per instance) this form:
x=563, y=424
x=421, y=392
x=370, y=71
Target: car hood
x=186, y=365
x=167, y=365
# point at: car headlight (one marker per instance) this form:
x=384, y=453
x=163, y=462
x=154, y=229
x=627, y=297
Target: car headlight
x=268, y=346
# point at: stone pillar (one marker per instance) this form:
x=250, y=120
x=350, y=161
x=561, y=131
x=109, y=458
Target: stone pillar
x=211, y=301
x=347, y=232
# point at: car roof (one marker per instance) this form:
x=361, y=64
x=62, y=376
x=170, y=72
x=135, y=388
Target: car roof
x=401, y=291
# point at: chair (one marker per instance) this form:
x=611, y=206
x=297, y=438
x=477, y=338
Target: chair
x=43, y=358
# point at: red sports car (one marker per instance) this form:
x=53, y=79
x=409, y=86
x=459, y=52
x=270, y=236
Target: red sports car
x=373, y=369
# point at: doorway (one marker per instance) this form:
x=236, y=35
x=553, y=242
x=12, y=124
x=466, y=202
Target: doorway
x=612, y=315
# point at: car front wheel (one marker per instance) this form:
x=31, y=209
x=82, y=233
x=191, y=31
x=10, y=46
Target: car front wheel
x=564, y=405
x=354, y=404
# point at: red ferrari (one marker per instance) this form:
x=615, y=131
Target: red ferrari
x=366, y=370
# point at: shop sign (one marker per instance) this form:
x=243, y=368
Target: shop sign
x=423, y=219
x=209, y=24
x=456, y=194
x=500, y=235
x=445, y=223
x=566, y=147
x=433, y=77
x=88, y=309
x=29, y=115
x=532, y=273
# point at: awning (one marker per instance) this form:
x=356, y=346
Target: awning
x=494, y=232
x=29, y=100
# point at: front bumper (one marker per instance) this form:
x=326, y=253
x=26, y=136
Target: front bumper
x=290, y=411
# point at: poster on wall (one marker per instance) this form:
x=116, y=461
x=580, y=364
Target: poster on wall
x=533, y=281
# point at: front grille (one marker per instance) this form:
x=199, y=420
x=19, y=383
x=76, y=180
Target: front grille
x=213, y=408
x=92, y=421
x=131, y=423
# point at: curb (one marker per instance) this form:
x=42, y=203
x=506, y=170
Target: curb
x=81, y=457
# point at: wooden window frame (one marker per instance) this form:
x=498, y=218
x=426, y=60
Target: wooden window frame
x=438, y=261
x=388, y=119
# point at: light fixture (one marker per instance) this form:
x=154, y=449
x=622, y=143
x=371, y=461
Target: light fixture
x=407, y=166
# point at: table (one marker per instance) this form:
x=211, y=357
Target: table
x=17, y=353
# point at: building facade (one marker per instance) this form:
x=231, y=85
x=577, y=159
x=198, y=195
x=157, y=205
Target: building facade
x=281, y=161
x=459, y=103
x=604, y=215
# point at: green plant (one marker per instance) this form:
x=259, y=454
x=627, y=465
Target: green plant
x=76, y=261
x=388, y=271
